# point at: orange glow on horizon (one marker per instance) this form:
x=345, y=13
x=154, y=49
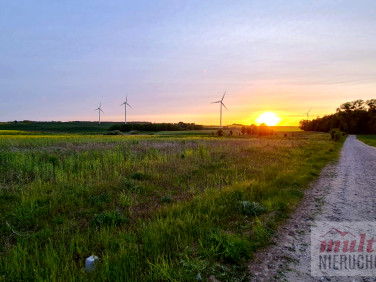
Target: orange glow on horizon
x=269, y=118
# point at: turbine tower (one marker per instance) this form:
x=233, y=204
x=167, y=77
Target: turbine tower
x=220, y=111
x=125, y=109
x=99, y=109
x=307, y=113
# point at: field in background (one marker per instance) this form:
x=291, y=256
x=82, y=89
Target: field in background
x=95, y=128
x=151, y=207
x=368, y=139
x=67, y=127
x=279, y=130
x=286, y=128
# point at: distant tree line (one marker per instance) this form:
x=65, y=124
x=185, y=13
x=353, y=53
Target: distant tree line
x=261, y=130
x=356, y=117
x=156, y=127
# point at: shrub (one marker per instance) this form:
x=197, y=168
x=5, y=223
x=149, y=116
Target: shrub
x=251, y=208
x=130, y=186
x=139, y=176
x=264, y=130
x=337, y=136
x=332, y=132
x=114, y=132
x=99, y=200
x=166, y=199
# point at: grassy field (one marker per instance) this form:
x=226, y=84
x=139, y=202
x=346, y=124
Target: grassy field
x=80, y=127
x=151, y=207
x=368, y=139
x=278, y=130
x=67, y=127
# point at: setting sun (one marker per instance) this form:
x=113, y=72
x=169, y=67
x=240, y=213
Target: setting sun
x=268, y=118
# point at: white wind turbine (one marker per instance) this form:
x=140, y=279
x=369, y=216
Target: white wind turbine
x=220, y=111
x=125, y=109
x=307, y=113
x=99, y=109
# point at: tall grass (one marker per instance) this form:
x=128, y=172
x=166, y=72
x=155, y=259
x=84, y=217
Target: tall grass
x=151, y=208
x=368, y=139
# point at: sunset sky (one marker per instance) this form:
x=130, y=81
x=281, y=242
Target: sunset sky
x=59, y=59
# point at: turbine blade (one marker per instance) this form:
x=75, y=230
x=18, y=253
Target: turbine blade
x=129, y=106
x=224, y=106
x=216, y=102
x=309, y=110
x=223, y=96
x=101, y=110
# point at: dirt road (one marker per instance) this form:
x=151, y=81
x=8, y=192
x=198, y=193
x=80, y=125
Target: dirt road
x=345, y=191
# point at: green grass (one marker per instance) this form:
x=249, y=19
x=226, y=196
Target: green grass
x=204, y=132
x=368, y=139
x=61, y=127
x=279, y=130
x=151, y=207
x=82, y=127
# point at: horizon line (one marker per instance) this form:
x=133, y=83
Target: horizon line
x=73, y=121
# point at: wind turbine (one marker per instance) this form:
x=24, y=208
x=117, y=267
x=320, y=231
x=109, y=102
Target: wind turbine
x=221, y=102
x=125, y=109
x=99, y=109
x=307, y=113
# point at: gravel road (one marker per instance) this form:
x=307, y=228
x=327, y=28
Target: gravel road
x=345, y=191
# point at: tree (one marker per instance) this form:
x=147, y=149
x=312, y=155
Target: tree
x=351, y=117
x=352, y=106
x=244, y=130
x=263, y=129
x=220, y=132
x=371, y=105
x=253, y=129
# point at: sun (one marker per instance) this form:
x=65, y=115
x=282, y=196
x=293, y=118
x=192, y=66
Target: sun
x=269, y=118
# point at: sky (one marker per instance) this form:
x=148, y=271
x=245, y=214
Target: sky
x=60, y=59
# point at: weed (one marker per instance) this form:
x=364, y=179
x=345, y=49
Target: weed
x=132, y=187
x=228, y=247
x=111, y=218
x=166, y=199
x=139, y=176
x=99, y=200
x=125, y=200
x=251, y=208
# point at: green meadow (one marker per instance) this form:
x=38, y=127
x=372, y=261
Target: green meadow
x=82, y=127
x=368, y=139
x=73, y=127
x=152, y=208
